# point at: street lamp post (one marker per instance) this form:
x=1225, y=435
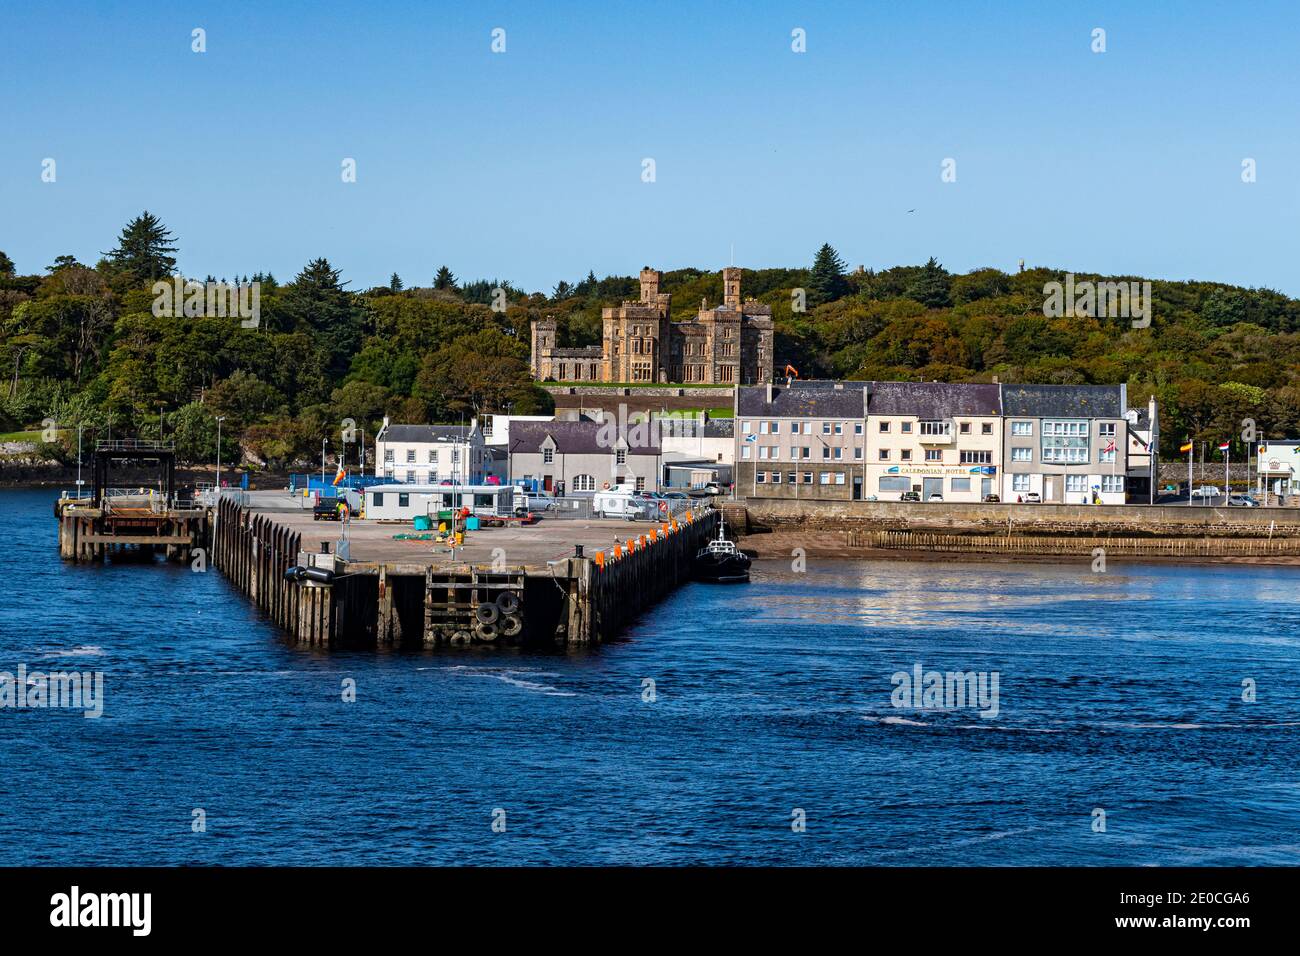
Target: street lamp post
x=220, y=419
x=80, y=426
x=323, y=443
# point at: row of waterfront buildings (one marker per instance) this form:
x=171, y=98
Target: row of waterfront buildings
x=825, y=440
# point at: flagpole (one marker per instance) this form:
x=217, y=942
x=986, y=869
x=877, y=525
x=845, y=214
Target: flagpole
x=1227, y=488
x=1191, y=453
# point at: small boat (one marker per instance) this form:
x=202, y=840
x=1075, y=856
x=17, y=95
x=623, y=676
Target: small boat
x=720, y=561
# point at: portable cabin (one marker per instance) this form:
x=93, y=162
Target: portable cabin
x=403, y=502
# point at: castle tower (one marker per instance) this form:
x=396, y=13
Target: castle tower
x=543, y=341
x=649, y=286
x=731, y=287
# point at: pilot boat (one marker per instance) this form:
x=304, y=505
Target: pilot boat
x=720, y=561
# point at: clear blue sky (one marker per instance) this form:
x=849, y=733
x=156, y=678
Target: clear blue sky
x=527, y=165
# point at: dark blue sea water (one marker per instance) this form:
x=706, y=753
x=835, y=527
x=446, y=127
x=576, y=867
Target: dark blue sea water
x=1120, y=691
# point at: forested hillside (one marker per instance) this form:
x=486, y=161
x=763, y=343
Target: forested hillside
x=81, y=344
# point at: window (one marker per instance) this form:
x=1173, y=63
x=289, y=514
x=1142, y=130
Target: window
x=895, y=483
x=745, y=428
x=986, y=428
x=934, y=454
x=790, y=477
x=1075, y=482
x=410, y=456
x=884, y=454
x=826, y=477
x=1112, y=483
x=762, y=453
x=936, y=428
x=410, y=477
x=776, y=477
x=1022, y=428
x=1022, y=454
x=1019, y=482
x=976, y=458
x=584, y=483
x=1106, y=429
x=548, y=455
x=433, y=456
x=455, y=456
x=857, y=454
x=807, y=453
x=907, y=428
x=906, y=454
x=839, y=428
x=388, y=456
x=961, y=484
x=837, y=454
x=839, y=477
x=388, y=472
x=964, y=428
x=744, y=452
x=826, y=452
x=760, y=477
x=794, y=428
x=403, y=500
x=640, y=484
x=379, y=499
x=807, y=477
x=1106, y=456
x=884, y=428
x=776, y=428
x=762, y=428
x=1065, y=442
x=620, y=457
x=826, y=428
x=857, y=428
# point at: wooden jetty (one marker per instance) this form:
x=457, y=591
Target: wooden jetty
x=135, y=512
x=324, y=599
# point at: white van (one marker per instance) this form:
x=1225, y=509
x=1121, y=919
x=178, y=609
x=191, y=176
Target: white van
x=621, y=502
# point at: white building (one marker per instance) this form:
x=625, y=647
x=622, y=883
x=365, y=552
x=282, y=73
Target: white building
x=496, y=428
x=430, y=454
x=1278, y=467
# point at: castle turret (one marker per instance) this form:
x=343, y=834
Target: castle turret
x=731, y=287
x=649, y=286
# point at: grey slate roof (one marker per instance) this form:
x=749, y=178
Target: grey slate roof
x=719, y=428
x=804, y=400
x=1063, y=401
x=425, y=433
x=934, y=400
x=582, y=438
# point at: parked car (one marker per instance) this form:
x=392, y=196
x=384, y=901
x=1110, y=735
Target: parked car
x=1033, y=498
x=622, y=504
x=935, y=497
x=325, y=509
x=1206, y=491
x=534, y=501
x=910, y=496
x=1242, y=501
x=676, y=496
x=992, y=498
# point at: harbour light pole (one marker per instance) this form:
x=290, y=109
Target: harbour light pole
x=80, y=426
x=220, y=419
x=323, y=443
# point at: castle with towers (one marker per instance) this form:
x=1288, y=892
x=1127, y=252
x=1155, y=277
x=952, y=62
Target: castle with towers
x=727, y=345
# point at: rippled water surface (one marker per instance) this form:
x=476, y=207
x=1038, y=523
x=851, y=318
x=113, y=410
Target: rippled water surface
x=1120, y=691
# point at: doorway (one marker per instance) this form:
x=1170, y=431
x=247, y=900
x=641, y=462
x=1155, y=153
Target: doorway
x=857, y=487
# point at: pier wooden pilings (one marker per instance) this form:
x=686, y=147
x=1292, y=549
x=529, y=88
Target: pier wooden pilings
x=254, y=553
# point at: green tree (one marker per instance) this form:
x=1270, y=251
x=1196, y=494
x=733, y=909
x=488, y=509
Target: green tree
x=6, y=265
x=827, y=282
x=930, y=286
x=395, y=283
x=144, y=249
x=318, y=301
x=444, y=280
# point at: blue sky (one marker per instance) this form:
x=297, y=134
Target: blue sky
x=526, y=165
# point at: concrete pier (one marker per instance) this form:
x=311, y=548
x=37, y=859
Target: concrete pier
x=566, y=582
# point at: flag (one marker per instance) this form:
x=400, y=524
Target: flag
x=341, y=474
x=1187, y=447
x=1224, y=446
x=1110, y=446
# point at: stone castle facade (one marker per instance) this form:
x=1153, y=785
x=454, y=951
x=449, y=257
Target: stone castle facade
x=727, y=345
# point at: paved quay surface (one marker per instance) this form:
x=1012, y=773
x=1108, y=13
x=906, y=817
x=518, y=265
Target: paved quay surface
x=550, y=539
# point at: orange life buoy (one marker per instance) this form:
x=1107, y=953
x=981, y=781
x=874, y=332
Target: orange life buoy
x=605, y=486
